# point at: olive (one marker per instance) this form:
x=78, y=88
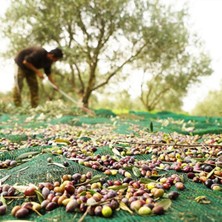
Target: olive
x=65, y=163
x=70, y=207
x=208, y=168
x=135, y=205
x=144, y=210
x=44, y=203
x=190, y=175
x=22, y=212
x=179, y=186
x=114, y=204
x=70, y=188
x=30, y=191
x=208, y=183
x=15, y=209
x=3, y=209
x=158, y=210
x=11, y=191
x=82, y=207
x=51, y=206
x=45, y=192
x=216, y=187
x=107, y=211
x=98, y=210
x=173, y=195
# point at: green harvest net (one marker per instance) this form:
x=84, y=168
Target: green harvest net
x=106, y=134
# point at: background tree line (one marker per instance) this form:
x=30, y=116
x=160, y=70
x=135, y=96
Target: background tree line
x=106, y=42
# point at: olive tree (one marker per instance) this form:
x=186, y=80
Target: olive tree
x=174, y=60
x=100, y=38
x=210, y=105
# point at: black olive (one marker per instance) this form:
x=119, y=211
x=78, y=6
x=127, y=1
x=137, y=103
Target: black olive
x=208, y=168
x=208, y=183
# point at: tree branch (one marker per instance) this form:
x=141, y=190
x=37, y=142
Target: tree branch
x=130, y=59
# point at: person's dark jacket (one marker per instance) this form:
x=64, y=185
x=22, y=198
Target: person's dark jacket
x=37, y=56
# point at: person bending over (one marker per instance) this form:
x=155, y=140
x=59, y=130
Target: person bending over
x=30, y=61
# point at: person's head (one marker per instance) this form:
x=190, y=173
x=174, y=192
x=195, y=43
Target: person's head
x=55, y=54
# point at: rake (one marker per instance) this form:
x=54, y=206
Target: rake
x=69, y=97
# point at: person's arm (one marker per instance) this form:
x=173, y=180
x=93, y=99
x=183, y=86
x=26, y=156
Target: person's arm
x=33, y=68
x=50, y=78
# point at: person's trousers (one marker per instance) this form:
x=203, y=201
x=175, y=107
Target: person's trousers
x=32, y=82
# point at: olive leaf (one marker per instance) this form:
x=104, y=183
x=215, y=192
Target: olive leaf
x=3, y=179
x=57, y=164
x=136, y=171
x=118, y=187
x=2, y=199
x=123, y=206
x=146, y=180
x=211, y=173
x=151, y=126
x=20, y=188
x=26, y=155
x=202, y=199
x=39, y=196
x=61, y=140
x=115, y=151
x=95, y=179
x=85, y=138
x=91, y=202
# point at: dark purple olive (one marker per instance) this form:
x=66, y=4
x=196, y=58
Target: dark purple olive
x=65, y=163
x=114, y=204
x=208, y=183
x=158, y=210
x=111, y=194
x=76, y=176
x=98, y=211
x=11, y=191
x=22, y=212
x=173, y=195
x=216, y=180
x=196, y=179
x=150, y=205
x=208, y=168
x=51, y=206
x=191, y=175
x=3, y=209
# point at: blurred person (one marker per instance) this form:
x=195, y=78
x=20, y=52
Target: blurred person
x=29, y=62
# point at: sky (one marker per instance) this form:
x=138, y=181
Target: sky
x=205, y=19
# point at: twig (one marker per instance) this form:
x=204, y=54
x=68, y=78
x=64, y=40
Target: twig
x=84, y=215
x=22, y=169
x=172, y=144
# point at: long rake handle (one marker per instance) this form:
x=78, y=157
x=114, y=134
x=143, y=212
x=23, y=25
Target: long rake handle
x=70, y=98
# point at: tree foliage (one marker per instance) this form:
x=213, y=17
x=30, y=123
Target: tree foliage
x=99, y=38
x=210, y=106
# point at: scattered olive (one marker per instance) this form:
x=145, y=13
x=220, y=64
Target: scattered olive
x=173, y=195
x=22, y=212
x=107, y=211
x=144, y=210
x=3, y=209
x=158, y=210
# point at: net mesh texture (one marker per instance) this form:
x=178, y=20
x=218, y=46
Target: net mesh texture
x=22, y=134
